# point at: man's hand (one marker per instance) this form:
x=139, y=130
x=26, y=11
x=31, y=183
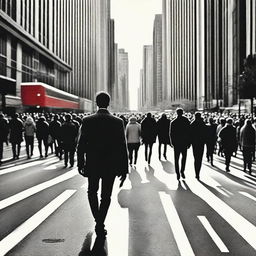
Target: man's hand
x=82, y=171
x=122, y=179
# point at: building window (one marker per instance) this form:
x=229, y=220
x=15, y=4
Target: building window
x=27, y=67
x=3, y=54
x=13, y=59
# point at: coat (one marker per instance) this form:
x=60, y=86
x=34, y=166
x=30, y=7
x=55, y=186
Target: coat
x=42, y=129
x=16, y=129
x=198, y=132
x=4, y=130
x=179, y=132
x=55, y=129
x=69, y=132
x=148, y=130
x=228, y=138
x=247, y=137
x=163, y=128
x=102, y=142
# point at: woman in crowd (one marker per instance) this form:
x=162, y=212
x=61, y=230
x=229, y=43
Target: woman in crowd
x=133, y=132
x=29, y=132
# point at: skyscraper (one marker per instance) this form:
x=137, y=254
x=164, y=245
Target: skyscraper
x=157, y=61
x=180, y=52
x=62, y=43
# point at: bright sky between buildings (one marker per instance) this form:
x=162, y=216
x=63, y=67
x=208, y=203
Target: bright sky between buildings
x=134, y=21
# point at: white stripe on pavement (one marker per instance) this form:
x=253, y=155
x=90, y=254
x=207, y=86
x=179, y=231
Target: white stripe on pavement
x=217, y=240
x=247, y=195
x=246, y=229
x=21, y=166
x=33, y=222
x=176, y=225
x=33, y=190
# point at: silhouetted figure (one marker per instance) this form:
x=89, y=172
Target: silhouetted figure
x=228, y=141
x=29, y=132
x=148, y=134
x=163, y=128
x=4, y=131
x=211, y=139
x=198, y=140
x=16, y=129
x=55, y=132
x=219, y=128
x=69, y=132
x=179, y=135
x=238, y=132
x=42, y=133
x=247, y=140
x=102, y=140
x=133, y=132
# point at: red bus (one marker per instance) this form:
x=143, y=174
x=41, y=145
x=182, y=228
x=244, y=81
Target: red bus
x=38, y=96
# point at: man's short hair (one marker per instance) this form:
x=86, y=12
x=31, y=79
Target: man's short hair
x=179, y=111
x=102, y=99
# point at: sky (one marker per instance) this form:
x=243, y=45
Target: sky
x=134, y=21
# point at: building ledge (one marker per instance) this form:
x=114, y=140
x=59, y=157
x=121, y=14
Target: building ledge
x=17, y=31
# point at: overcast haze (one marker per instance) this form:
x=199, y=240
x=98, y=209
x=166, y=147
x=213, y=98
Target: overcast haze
x=134, y=21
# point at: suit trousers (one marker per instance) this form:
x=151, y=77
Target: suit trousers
x=99, y=210
x=177, y=152
x=198, y=151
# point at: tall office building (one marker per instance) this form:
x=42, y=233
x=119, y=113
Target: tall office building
x=180, y=52
x=62, y=43
x=157, y=61
x=230, y=36
x=147, y=86
x=122, y=99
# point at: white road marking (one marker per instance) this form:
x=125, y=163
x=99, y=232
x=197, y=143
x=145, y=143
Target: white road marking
x=246, y=229
x=33, y=190
x=217, y=240
x=21, y=166
x=176, y=225
x=33, y=222
x=247, y=195
x=51, y=167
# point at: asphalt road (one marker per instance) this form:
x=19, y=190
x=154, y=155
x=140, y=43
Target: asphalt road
x=44, y=210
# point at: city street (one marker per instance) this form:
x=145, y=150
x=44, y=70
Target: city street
x=44, y=210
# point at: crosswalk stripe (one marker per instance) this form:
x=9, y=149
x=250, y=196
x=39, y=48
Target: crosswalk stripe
x=247, y=195
x=33, y=190
x=246, y=229
x=217, y=240
x=33, y=222
x=176, y=225
x=21, y=166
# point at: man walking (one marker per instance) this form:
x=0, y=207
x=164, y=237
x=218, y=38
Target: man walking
x=179, y=136
x=102, y=140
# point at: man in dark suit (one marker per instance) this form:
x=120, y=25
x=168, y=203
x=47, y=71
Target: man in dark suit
x=102, y=141
x=179, y=137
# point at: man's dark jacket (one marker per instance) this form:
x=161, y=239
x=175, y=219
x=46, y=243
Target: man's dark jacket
x=102, y=147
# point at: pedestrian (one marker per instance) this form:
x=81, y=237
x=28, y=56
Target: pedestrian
x=163, y=128
x=219, y=128
x=228, y=141
x=16, y=129
x=198, y=134
x=69, y=132
x=54, y=131
x=102, y=140
x=4, y=128
x=42, y=134
x=247, y=140
x=133, y=133
x=148, y=134
x=29, y=132
x=180, y=141
x=211, y=139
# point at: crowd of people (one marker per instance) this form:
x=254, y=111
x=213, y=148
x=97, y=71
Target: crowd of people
x=222, y=134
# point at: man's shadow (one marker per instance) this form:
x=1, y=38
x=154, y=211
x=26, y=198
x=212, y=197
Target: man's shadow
x=99, y=248
x=168, y=167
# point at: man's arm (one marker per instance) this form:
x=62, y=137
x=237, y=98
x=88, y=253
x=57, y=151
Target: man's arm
x=81, y=147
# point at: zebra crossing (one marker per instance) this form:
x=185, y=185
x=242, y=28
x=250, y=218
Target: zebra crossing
x=164, y=190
